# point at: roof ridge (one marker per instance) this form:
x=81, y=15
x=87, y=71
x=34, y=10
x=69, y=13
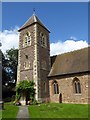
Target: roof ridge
x=73, y=51
x=26, y=21
x=33, y=19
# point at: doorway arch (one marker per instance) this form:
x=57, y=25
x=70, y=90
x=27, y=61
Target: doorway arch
x=60, y=98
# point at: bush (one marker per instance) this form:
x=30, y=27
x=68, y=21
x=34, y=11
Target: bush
x=25, y=87
x=13, y=98
x=34, y=102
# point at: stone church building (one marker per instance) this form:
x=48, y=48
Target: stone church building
x=62, y=78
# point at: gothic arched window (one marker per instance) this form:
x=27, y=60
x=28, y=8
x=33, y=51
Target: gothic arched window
x=55, y=88
x=27, y=39
x=27, y=64
x=77, y=86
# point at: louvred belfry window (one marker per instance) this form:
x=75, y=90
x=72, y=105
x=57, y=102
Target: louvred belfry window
x=27, y=39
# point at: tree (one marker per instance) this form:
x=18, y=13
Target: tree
x=25, y=87
x=5, y=76
x=12, y=56
x=9, y=72
x=9, y=63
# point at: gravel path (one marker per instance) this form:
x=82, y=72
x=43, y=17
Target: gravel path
x=23, y=113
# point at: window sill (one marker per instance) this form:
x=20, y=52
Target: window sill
x=27, y=46
x=55, y=94
x=78, y=94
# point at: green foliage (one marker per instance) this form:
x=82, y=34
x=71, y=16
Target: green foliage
x=5, y=75
x=18, y=95
x=9, y=72
x=35, y=102
x=9, y=64
x=26, y=87
x=12, y=56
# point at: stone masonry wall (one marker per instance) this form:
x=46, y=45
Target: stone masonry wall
x=67, y=91
x=43, y=55
x=23, y=51
x=37, y=54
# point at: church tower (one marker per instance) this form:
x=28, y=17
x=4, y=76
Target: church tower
x=34, y=56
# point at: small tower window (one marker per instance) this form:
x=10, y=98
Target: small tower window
x=27, y=39
x=26, y=56
x=27, y=64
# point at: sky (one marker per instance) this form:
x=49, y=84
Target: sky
x=67, y=22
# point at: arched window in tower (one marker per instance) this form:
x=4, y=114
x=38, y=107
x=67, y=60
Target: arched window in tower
x=55, y=88
x=77, y=86
x=42, y=40
x=27, y=39
x=27, y=63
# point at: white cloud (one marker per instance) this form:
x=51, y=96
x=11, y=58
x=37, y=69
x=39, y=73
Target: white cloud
x=67, y=46
x=73, y=38
x=9, y=39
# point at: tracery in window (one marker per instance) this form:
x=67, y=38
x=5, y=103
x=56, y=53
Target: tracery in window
x=27, y=39
x=77, y=86
x=55, y=88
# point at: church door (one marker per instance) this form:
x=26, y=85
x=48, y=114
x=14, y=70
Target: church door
x=60, y=98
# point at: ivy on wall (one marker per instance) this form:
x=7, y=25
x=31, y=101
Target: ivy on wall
x=25, y=87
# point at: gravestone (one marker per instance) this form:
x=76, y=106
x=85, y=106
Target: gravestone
x=1, y=105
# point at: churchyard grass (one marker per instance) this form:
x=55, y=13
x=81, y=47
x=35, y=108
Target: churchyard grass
x=57, y=110
x=10, y=110
x=0, y=114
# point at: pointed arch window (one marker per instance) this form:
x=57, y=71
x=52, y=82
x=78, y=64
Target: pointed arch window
x=27, y=64
x=77, y=86
x=27, y=39
x=55, y=88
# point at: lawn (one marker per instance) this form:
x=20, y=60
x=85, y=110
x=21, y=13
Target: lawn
x=56, y=110
x=0, y=114
x=10, y=111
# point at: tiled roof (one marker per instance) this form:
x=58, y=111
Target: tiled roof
x=71, y=62
x=33, y=19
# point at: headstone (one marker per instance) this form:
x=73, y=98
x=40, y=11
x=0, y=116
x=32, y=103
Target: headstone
x=1, y=105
